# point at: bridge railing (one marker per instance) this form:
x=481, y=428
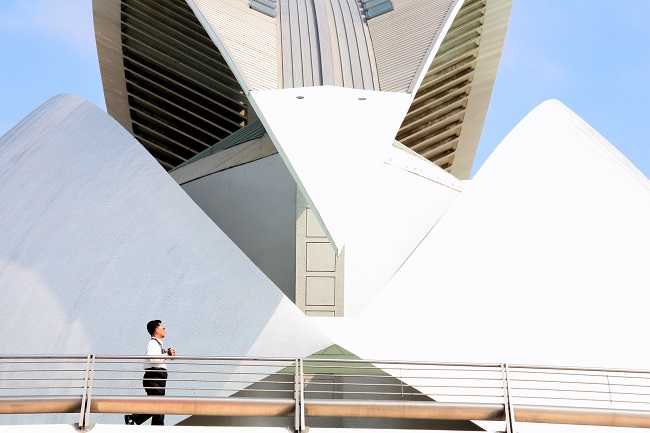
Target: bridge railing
x=326, y=387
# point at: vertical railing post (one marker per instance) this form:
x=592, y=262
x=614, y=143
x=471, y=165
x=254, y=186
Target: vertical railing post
x=296, y=395
x=84, y=395
x=89, y=392
x=303, y=426
x=609, y=391
x=508, y=408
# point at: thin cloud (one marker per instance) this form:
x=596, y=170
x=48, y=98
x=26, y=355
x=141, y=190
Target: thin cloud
x=529, y=55
x=67, y=21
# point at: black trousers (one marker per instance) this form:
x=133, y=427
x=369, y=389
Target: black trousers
x=153, y=381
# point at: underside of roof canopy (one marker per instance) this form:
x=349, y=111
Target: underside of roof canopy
x=164, y=79
x=445, y=120
x=177, y=73
x=331, y=81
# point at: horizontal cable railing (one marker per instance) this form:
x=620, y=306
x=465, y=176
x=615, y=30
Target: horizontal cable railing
x=324, y=387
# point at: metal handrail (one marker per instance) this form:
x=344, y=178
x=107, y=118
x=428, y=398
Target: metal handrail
x=277, y=386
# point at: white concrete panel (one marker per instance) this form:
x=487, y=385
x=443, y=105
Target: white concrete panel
x=320, y=257
x=97, y=239
x=314, y=228
x=320, y=291
x=319, y=313
x=332, y=140
x=408, y=197
x=541, y=260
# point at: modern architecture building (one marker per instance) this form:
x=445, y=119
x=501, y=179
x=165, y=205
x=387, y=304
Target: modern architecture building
x=211, y=90
x=287, y=180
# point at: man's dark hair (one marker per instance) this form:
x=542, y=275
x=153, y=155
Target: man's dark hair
x=152, y=325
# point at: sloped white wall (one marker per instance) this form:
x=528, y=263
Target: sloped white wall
x=97, y=239
x=403, y=202
x=333, y=141
x=542, y=259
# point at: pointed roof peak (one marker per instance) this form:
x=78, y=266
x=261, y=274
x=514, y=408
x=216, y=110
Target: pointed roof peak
x=552, y=103
x=67, y=97
x=550, y=135
x=556, y=216
x=95, y=220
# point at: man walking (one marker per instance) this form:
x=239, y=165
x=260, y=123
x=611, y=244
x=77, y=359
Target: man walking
x=155, y=371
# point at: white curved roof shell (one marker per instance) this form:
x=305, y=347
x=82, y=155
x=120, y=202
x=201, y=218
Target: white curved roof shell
x=401, y=204
x=538, y=260
x=103, y=240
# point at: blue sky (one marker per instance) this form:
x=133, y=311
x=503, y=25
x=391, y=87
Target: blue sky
x=593, y=55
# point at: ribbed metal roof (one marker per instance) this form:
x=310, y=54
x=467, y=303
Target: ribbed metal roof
x=248, y=39
x=177, y=76
x=250, y=132
x=403, y=38
x=180, y=94
x=326, y=43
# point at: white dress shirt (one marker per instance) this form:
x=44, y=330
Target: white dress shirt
x=155, y=348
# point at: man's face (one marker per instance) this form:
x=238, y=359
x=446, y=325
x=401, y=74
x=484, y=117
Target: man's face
x=160, y=331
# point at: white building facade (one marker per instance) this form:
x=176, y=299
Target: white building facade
x=290, y=179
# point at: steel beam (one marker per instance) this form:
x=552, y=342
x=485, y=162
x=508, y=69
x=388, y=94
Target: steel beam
x=24, y=405
x=404, y=409
x=229, y=406
x=582, y=416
